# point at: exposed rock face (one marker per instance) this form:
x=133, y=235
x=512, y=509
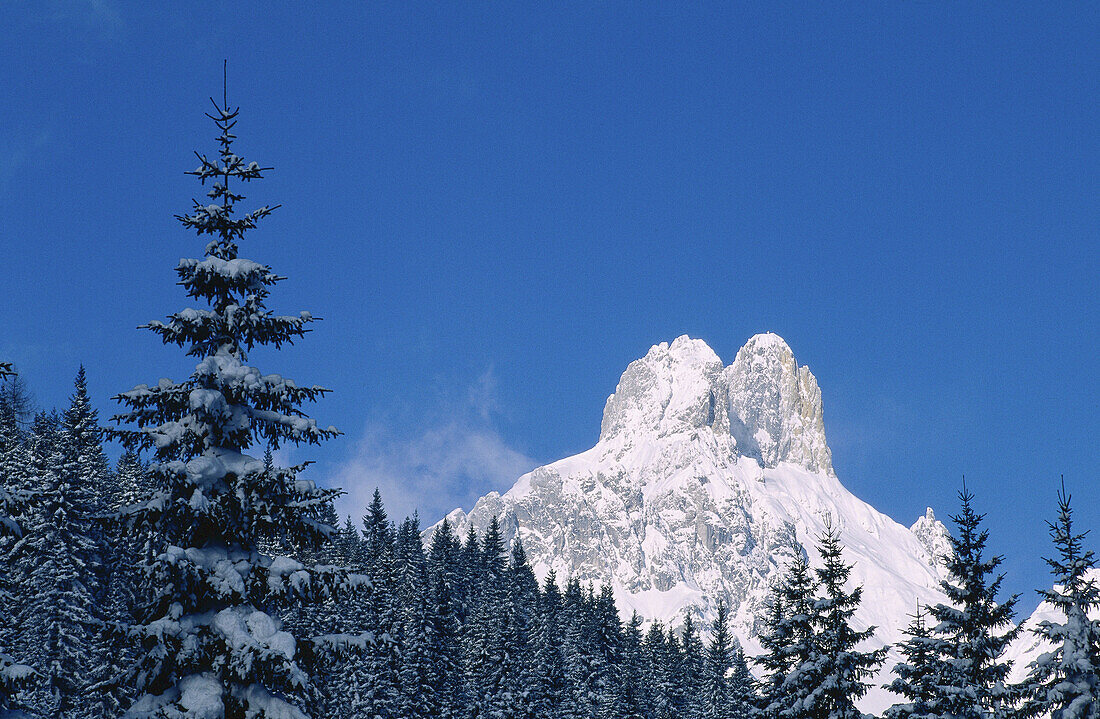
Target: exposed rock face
x=775, y=409
x=672, y=389
x=935, y=539
x=705, y=482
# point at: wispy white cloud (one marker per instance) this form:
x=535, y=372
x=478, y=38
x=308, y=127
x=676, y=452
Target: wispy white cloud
x=441, y=465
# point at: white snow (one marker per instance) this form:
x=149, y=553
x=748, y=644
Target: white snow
x=705, y=482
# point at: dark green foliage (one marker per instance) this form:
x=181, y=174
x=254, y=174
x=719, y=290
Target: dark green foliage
x=717, y=694
x=211, y=624
x=14, y=500
x=920, y=674
x=1065, y=682
x=838, y=668
x=742, y=686
x=975, y=628
x=813, y=667
x=787, y=640
x=63, y=562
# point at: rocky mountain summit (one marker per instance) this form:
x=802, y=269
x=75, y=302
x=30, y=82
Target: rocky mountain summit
x=706, y=480
x=935, y=539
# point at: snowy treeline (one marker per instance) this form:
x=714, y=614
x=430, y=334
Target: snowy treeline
x=458, y=629
x=461, y=628
x=195, y=580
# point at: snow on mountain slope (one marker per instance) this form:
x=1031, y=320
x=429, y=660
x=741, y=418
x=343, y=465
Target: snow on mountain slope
x=1028, y=646
x=706, y=480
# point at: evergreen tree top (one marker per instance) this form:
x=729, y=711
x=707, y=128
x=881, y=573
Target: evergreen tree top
x=971, y=584
x=1071, y=567
x=519, y=557
x=1064, y=683
x=225, y=404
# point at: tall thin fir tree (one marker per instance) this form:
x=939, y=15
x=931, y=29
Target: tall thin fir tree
x=976, y=627
x=14, y=675
x=417, y=677
x=689, y=672
x=836, y=671
x=95, y=496
x=743, y=697
x=127, y=552
x=447, y=654
x=521, y=603
x=719, y=658
x=214, y=644
x=65, y=546
x=486, y=629
x=921, y=672
x=659, y=671
x=1064, y=683
x=549, y=683
x=577, y=701
x=632, y=695
x=374, y=679
x=42, y=457
x=608, y=677
x=789, y=642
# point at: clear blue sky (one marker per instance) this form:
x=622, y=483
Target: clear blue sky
x=497, y=206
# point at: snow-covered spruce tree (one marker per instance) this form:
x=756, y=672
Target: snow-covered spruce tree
x=788, y=642
x=689, y=670
x=632, y=694
x=486, y=629
x=922, y=672
x=717, y=663
x=13, y=500
x=834, y=675
x=1065, y=682
x=416, y=629
x=518, y=639
x=470, y=570
x=373, y=679
x=338, y=677
x=578, y=700
x=975, y=627
x=743, y=697
x=99, y=486
x=549, y=687
x=661, y=657
x=127, y=552
x=446, y=655
x=95, y=488
x=214, y=645
x=65, y=549
x=608, y=679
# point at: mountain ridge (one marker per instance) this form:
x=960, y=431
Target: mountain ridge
x=705, y=482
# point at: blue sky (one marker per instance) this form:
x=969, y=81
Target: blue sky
x=497, y=206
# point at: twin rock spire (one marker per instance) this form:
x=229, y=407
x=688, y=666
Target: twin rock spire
x=769, y=405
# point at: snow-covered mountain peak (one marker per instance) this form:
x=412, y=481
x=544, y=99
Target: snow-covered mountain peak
x=767, y=342
x=705, y=482
x=673, y=388
x=775, y=410
x=765, y=402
